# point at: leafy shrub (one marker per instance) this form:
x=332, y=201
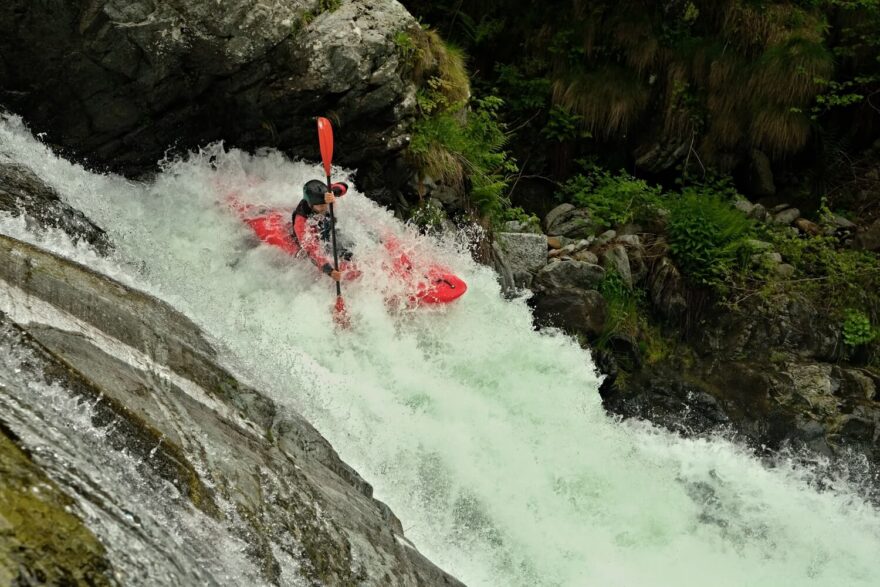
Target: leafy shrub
x=405, y=44
x=612, y=198
x=517, y=214
x=857, y=328
x=707, y=236
x=456, y=139
x=563, y=126
x=522, y=93
x=454, y=144
x=831, y=277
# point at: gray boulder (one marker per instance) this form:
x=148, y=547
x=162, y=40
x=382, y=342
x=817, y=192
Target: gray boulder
x=635, y=250
x=759, y=213
x=840, y=222
x=585, y=256
x=573, y=310
x=667, y=289
x=517, y=226
x=605, y=238
x=556, y=213
x=615, y=259
x=231, y=452
x=119, y=81
x=502, y=268
x=744, y=206
x=569, y=274
x=786, y=216
x=566, y=220
x=523, y=252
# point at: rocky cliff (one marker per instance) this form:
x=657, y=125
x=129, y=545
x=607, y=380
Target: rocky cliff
x=121, y=83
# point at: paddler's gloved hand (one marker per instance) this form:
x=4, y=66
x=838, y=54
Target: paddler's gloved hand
x=348, y=274
x=328, y=270
x=347, y=271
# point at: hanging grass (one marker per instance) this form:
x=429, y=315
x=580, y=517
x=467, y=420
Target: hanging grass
x=725, y=131
x=780, y=131
x=609, y=100
x=633, y=35
x=753, y=26
x=683, y=112
x=431, y=60
x=787, y=73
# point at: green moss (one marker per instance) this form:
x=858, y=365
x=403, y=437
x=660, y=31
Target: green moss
x=654, y=346
x=857, y=329
x=41, y=541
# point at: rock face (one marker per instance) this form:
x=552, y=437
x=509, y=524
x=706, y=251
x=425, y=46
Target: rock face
x=191, y=422
x=573, y=310
x=522, y=254
x=667, y=290
x=122, y=81
x=566, y=220
x=23, y=193
x=569, y=274
x=769, y=374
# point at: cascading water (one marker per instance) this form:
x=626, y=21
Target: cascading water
x=486, y=438
x=152, y=534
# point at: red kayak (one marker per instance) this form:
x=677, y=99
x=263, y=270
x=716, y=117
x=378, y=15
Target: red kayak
x=435, y=285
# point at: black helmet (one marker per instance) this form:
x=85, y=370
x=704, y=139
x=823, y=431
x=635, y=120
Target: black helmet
x=313, y=192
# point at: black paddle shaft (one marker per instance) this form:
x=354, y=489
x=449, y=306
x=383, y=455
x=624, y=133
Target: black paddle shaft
x=333, y=239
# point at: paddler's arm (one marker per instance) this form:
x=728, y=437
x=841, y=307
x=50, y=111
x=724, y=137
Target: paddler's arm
x=310, y=242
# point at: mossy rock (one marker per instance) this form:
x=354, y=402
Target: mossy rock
x=41, y=541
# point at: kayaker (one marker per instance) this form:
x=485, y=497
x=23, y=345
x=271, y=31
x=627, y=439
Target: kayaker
x=312, y=228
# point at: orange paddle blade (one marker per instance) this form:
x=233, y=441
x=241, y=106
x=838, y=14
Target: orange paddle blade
x=325, y=139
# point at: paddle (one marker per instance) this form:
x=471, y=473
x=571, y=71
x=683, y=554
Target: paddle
x=325, y=140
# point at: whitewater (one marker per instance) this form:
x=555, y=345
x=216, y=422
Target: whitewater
x=486, y=438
